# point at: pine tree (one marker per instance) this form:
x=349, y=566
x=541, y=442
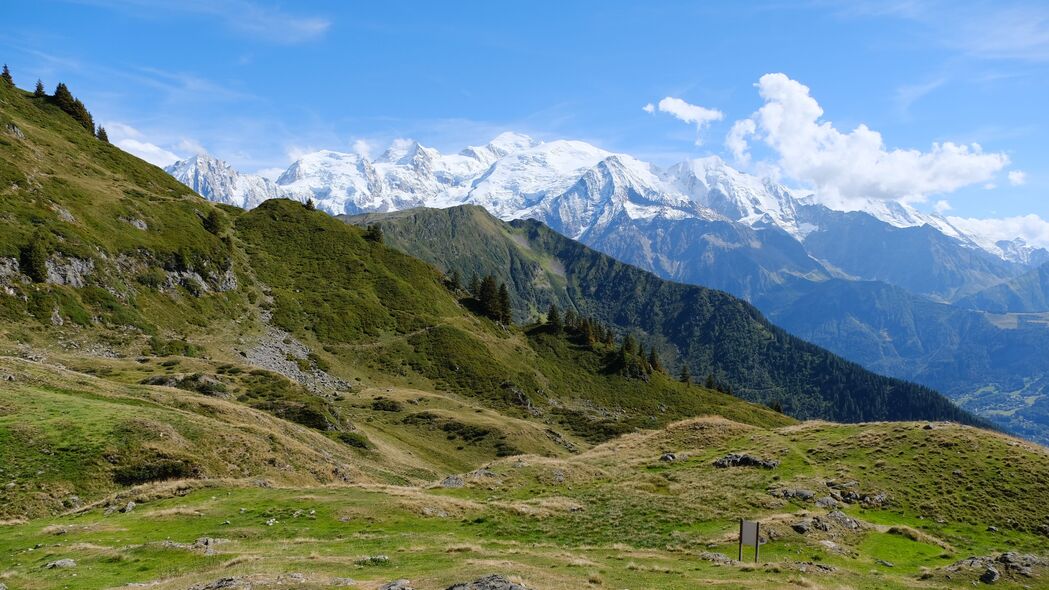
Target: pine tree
x=63, y=98
x=686, y=375
x=39, y=91
x=570, y=319
x=6, y=76
x=629, y=346
x=34, y=257
x=475, y=285
x=553, y=319
x=653, y=360
x=310, y=205
x=215, y=223
x=487, y=296
x=102, y=135
x=503, y=307
x=454, y=281
x=374, y=233
x=710, y=382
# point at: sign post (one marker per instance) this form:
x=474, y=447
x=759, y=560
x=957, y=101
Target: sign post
x=749, y=535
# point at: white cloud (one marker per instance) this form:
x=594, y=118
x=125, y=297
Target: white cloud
x=1032, y=228
x=133, y=141
x=1017, y=177
x=942, y=206
x=736, y=141
x=149, y=152
x=270, y=173
x=363, y=148
x=853, y=165
x=190, y=146
x=649, y=108
x=689, y=113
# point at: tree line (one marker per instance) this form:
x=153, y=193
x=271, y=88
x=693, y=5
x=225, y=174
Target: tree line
x=64, y=100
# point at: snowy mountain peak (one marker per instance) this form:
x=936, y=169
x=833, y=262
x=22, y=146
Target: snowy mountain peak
x=216, y=180
x=574, y=186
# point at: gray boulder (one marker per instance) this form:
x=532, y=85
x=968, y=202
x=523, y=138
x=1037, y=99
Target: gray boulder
x=744, y=460
x=60, y=564
x=397, y=585
x=490, y=582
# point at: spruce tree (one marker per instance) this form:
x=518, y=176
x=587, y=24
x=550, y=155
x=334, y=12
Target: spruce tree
x=215, y=223
x=310, y=205
x=374, y=233
x=629, y=346
x=504, y=309
x=553, y=319
x=653, y=360
x=488, y=295
x=102, y=135
x=686, y=375
x=63, y=98
x=454, y=281
x=6, y=76
x=710, y=382
x=34, y=257
x=475, y=285
x=39, y=91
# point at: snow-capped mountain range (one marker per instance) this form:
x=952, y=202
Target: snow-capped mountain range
x=575, y=187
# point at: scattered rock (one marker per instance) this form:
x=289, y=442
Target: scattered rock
x=452, y=481
x=60, y=564
x=668, y=457
x=62, y=270
x=802, y=527
x=397, y=585
x=990, y=575
x=343, y=582
x=490, y=582
x=716, y=557
x=885, y=563
x=129, y=507
x=222, y=584
x=992, y=529
x=841, y=519
x=827, y=502
x=744, y=460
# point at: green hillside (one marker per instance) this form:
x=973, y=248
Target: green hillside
x=709, y=331
x=193, y=396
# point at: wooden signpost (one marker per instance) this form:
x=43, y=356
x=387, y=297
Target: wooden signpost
x=749, y=535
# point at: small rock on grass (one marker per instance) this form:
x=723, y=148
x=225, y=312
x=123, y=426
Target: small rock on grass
x=397, y=585
x=490, y=582
x=60, y=564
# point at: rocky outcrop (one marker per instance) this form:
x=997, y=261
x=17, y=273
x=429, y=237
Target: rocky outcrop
x=744, y=460
x=490, y=582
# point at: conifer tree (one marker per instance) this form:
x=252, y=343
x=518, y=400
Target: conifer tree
x=504, y=309
x=215, y=223
x=34, y=257
x=454, y=281
x=653, y=360
x=487, y=296
x=686, y=375
x=570, y=319
x=553, y=319
x=310, y=205
x=629, y=346
x=710, y=382
x=63, y=98
x=102, y=135
x=475, y=285
x=374, y=233
x=39, y=91
x=6, y=76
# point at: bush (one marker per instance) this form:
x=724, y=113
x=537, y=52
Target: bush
x=355, y=439
x=383, y=404
x=154, y=470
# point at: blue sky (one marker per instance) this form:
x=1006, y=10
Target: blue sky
x=257, y=82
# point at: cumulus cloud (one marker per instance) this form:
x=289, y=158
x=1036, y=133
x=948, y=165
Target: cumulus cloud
x=362, y=148
x=1017, y=177
x=689, y=113
x=845, y=166
x=149, y=152
x=942, y=206
x=132, y=141
x=270, y=173
x=1033, y=229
